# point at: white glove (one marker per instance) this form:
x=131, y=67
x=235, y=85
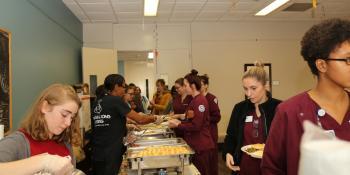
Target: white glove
x=159, y=119
x=57, y=165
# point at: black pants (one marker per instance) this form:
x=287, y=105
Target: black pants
x=111, y=164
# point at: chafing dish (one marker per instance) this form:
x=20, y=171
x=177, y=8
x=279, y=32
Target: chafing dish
x=139, y=161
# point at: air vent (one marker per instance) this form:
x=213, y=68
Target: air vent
x=298, y=7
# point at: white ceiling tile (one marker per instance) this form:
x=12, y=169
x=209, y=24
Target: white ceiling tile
x=166, y=6
x=126, y=1
x=210, y=15
x=164, y=14
x=96, y=7
x=217, y=6
x=191, y=1
x=91, y=1
x=183, y=7
x=101, y=16
x=129, y=15
x=128, y=7
x=184, y=15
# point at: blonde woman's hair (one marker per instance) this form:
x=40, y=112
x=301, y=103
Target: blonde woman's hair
x=257, y=71
x=35, y=124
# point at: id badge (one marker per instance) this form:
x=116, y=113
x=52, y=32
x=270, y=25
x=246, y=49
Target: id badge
x=248, y=118
x=330, y=133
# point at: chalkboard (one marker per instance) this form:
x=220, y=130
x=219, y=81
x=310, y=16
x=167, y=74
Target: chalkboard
x=5, y=79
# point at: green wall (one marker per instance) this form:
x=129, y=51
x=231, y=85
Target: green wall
x=46, y=48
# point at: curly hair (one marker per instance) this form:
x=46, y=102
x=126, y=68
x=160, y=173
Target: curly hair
x=35, y=125
x=321, y=39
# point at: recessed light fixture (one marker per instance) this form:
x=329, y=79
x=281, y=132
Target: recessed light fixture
x=150, y=7
x=271, y=7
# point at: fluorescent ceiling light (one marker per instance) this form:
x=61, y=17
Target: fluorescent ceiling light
x=150, y=7
x=150, y=55
x=273, y=6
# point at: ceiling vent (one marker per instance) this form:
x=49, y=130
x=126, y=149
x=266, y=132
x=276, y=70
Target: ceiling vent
x=298, y=7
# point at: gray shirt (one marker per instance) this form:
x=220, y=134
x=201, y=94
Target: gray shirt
x=16, y=147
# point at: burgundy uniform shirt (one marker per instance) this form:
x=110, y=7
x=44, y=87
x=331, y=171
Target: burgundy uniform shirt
x=253, y=133
x=181, y=106
x=282, y=149
x=196, y=130
x=214, y=115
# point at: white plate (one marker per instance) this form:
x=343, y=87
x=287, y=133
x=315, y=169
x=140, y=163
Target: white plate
x=255, y=154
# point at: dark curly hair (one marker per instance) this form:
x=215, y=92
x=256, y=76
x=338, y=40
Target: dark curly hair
x=321, y=39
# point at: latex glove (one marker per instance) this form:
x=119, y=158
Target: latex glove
x=129, y=139
x=55, y=164
x=230, y=163
x=174, y=123
x=133, y=127
x=159, y=119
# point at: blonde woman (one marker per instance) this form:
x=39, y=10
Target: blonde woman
x=43, y=142
x=250, y=122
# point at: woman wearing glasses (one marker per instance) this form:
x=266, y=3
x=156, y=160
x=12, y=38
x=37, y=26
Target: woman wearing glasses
x=250, y=122
x=326, y=49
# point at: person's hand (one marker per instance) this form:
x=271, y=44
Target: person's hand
x=55, y=164
x=173, y=123
x=178, y=116
x=129, y=139
x=152, y=103
x=159, y=119
x=133, y=127
x=190, y=114
x=230, y=163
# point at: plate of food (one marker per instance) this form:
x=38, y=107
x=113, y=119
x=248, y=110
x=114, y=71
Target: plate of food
x=254, y=150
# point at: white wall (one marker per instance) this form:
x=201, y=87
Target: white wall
x=137, y=72
x=221, y=50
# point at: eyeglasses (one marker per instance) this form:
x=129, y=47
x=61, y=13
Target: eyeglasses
x=256, y=128
x=347, y=60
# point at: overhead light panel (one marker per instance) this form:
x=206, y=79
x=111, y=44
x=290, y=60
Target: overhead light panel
x=150, y=7
x=273, y=6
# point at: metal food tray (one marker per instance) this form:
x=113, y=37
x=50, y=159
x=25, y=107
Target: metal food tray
x=164, y=161
x=156, y=133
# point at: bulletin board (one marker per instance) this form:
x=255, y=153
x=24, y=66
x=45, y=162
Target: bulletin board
x=5, y=79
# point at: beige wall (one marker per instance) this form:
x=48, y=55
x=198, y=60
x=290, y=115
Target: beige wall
x=137, y=72
x=221, y=50
x=100, y=62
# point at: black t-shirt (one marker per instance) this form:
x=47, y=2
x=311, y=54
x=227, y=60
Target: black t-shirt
x=109, y=125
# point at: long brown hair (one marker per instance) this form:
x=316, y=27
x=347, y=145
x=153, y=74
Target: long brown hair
x=35, y=124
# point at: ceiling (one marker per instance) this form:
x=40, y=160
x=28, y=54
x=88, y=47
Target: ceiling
x=188, y=11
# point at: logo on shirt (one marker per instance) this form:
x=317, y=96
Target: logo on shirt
x=201, y=108
x=216, y=101
x=98, y=108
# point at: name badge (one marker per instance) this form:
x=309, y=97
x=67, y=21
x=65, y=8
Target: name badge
x=330, y=133
x=248, y=118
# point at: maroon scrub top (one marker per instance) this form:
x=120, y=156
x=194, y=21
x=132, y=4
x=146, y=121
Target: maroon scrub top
x=180, y=106
x=196, y=130
x=253, y=133
x=214, y=115
x=282, y=149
